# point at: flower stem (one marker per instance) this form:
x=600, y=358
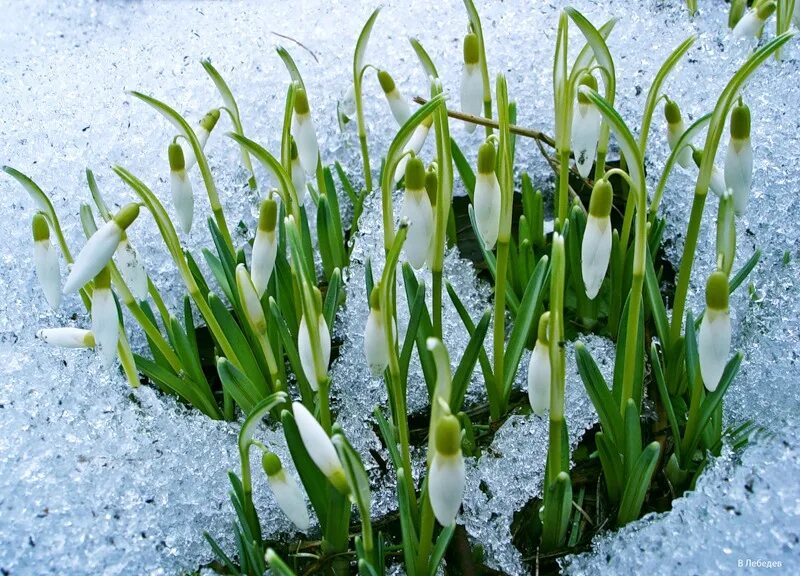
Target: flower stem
x=499, y=334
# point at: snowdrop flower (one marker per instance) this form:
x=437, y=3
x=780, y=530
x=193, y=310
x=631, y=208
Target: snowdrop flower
x=100, y=248
x=739, y=160
x=346, y=107
x=471, y=80
x=105, y=319
x=319, y=447
x=726, y=232
x=250, y=300
x=45, y=260
x=539, y=369
x=67, y=337
x=305, y=347
x=397, y=103
x=203, y=131
x=714, y=339
x=265, y=246
x=181, y=187
x=376, y=347
x=446, y=479
x=675, y=129
x=286, y=491
x=298, y=175
x=131, y=268
x=414, y=144
x=717, y=183
x=304, y=132
x=751, y=23
x=585, y=128
x=418, y=211
x=596, y=247
x=487, y=196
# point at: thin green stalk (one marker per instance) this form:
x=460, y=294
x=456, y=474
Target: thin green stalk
x=358, y=74
x=425, y=536
x=437, y=304
x=555, y=455
x=499, y=330
x=563, y=187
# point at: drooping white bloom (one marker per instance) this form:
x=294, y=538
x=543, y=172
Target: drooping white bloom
x=751, y=23
x=181, y=188
x=298, y=175
x=203, y=131
x=446, y=480
x=250, y=300
x=100, y=248
x=596, y=246
x=675, y=129
x=714, y=338
x=105, y=319
x=131, y=268
x=487, y=196
x=397, y=103
x=45, y=260
x=319, y=447
x=304, y=132
x=376, y=348
x=346, y=107
x=539, y=370
x=67, y=337
x=414, y=144
x=739, y=160
x=265, y=246
x=305, y=349
x=585, y=128
x=717, y=182
x=471, y=80
x=417, y=210
x=286, y=491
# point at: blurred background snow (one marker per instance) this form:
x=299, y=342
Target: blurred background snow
x=98, y=478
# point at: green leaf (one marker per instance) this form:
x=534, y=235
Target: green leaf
x=631, y=438
x=289, y=62
x=183, y=388
x=332, y=297
x=612, y=466
x=599, y=394
x=442, y=541
x=219, y=553
x=236, y=383
x=246, y=360
x=361, y=43
x=388, y=439
x=619, y=359
x=424, y=59
x=409, y=536
x=557, y=508
x=348, y=187
x=324, y=236
x=464, y=169
x=655, y=301
x=418, y=310
x=486, y=366
x=466, y=365
x=218, y=271
x=277, y=565
x=637, y=484
x=290, y=348
x=314, y=481
x=425, y=327
x=666, y=400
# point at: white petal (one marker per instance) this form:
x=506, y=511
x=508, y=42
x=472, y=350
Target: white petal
x=585, y=132
x=316, y=441
x=446, y=484
x=95, y=255
x=325, y=342
x=131, y=269
x=299, y=181
x=713, y=346
x=376, y=348
x=674, y=132
x=487, y=207
x=305, y=135
x=748, y=26
x=182, y=199
x=717, y=183
x=739, y=173
x=399, y=106
x=471, y=93
x=539, y=378
x=415, y=144
x=66, y=337
x=419, y=213
x=304, y=349
x=290, y=499
x=45, y=259
x=265, y=248
x=105, y=325
x=595, y=253
x=250, y=299
x=348, y=102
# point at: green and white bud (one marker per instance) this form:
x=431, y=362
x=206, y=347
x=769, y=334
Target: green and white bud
x=298, y=174
x=726, y=232
x=105, y=319
x=446, y=479
x=319, y=447
x=675, y=129
x=487, y=196
x=45, y=260
x=346, y=107
x=305, y=347
x=376, y=348
x=417, y=210
x=67, y=337
x=287, y=493
x=181, y=188
x=414, y=144
x=250, y=300
x=752, y=23
x=717, y=183
x=203, y=131
x=714, y=337
x=304, y=132
x=131, y=268
x=100, y=248
x=739, y=159
x=471, y=80
x=539, y=369
x=265, y=246
x=596, y=246
x=397, y=103
x=585, y=128
x=736, y=12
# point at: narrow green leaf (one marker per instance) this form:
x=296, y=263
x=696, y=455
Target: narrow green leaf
x=638, y=483
x=332, y=297
x=631, y=438
x=599, y=394
x=312, y=479
x=464, y=168
x=424, y=59
x=612, y=466
x=289, y=62
x=666, y=400
x=236, y=383
x=557, y=508
x=463, y=373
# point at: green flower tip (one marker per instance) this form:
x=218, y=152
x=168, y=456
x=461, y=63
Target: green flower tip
x=415, y=174
x=375, y=297
x=268, y=215
x=471, y=49
x=486, y=158
x=717, y=291
x=765, y=10
x=127, y=215
x=210, y=120
x=301, y=102
x=271, y=464
x=103, y=278
x=293, y=149
x=589, y=81
x=697, y=156
x=740, y=122
x=602, y=198
x=432, y=184
x=176, y=159
x=448, y=436
x=544, y=323
x=387, y=83
x=317, y=298
x=672, y=112
x=41, y=231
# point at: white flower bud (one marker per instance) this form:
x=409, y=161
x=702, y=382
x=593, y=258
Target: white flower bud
x=471, y=80
x=417, y=210
x=739, y=160
x=487, y=197
x=585, y=128
x=414, y=144
x=675, y=129
x=539, y=370
x=319, y=447
x=202, y=131
x=287, y=493
x=714, y=338
x=45, y=260
x=304, y=132
x=397, y=104
x=250, y=300
x=446, y=478
x=305, y=350
x=596, y=245
x=265, y=246
x=298, y=175
x=67, y=337
x=376, y=348
x=181, y=188
x=105, y=319
x=751, y=23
